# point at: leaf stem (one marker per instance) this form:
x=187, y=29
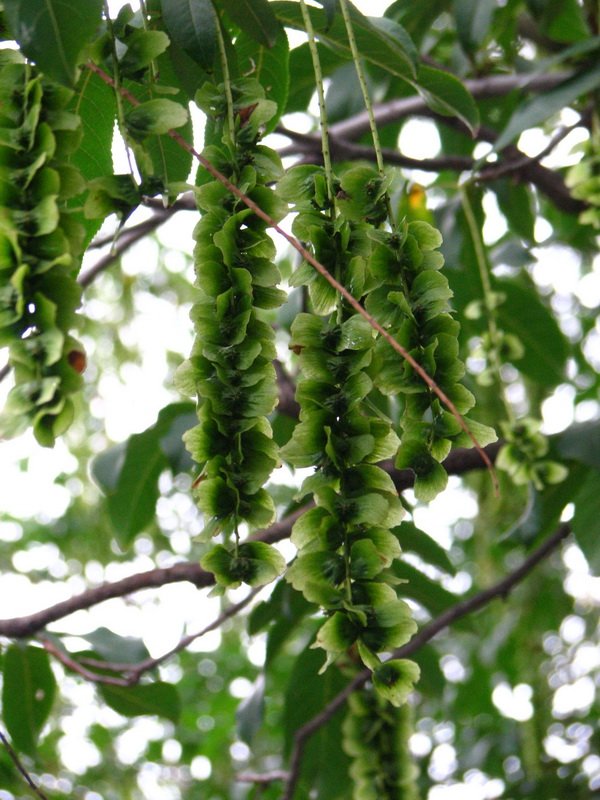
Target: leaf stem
x=488, y=296
x=360, y=74
x=118, y=90
x=226, y=79
x=316, y=62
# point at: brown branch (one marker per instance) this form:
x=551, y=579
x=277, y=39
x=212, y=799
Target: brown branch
x=480, y=88
x=19, y=765
x=65, y=659
x=345, y=150
x=131, y=673
x=465, y=607
x=458, y=462
x=547, y=181
x=127, y=238
x=496, y=171
x=262, y=777
x=287, y=392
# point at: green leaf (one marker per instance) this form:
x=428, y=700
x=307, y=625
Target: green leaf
x=192, y=25
x=586, y=520
x=564, y=21
x=95, y=104
x=546, y=349
x=154, y=117
x=330, y=7
x=324, y=765
x=250, y=712
x=543, y=511
x=516, y=203
x=270, y=66
x=120, y=649
x=171, y=162
x=128, y=472
x=543, y=106
x=429, y=593
x=473, y=19
x=446, y=95
x=581, y=443
x=28, y=689
x=53, y=33
x=132, y=504
x=159, y=698
x=255, y=17
x=414, y=540
x=106, y=467
x=374, y=44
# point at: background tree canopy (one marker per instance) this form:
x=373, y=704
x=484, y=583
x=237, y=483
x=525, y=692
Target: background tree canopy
x=310, y=445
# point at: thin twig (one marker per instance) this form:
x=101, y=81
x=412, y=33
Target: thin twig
x=19, y=765
x=493, y=172
x=480, y=88
x=500, y=589
x=133, y=672
x=110, y=238
x=262, y=777
x=345, y=150
x=128, y=237
x=459, y=461
x=65, y=659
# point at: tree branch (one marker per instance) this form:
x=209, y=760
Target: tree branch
x=458, y=462
x=456, y=612
x=19, y=765
x=345, y=150
x=131, y=673
x=523, y=168
x=480, y=88
x=127, y=238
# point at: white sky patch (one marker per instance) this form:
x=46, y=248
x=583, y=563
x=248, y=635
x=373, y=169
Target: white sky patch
x=514, y=703
x=419, y=138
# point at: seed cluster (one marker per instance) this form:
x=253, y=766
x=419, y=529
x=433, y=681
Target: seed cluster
x=39, y=252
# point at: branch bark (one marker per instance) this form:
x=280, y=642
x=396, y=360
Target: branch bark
x=19, y=765
x=480, y=88
x=457, y=463
x=458, y=611
x=130, y=674
x=522, y=168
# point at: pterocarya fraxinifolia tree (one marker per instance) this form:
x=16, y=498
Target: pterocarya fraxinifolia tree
x=392, y=279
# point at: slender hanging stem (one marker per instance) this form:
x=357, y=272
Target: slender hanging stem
x=488, y=296
x=316, y=62
x=360, y=73
x=226, y=80
x=144, y=13
x=117, y=87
